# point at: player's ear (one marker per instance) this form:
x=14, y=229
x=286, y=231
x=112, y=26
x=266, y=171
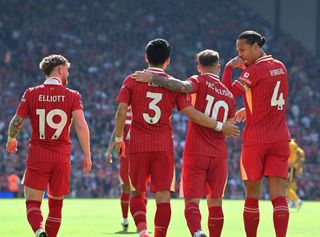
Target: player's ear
x=218, y=67
x=146, y=58
x=199, y=68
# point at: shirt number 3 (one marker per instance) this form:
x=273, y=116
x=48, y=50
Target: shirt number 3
x=156, y=97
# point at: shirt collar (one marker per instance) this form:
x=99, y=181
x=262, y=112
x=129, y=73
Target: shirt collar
x=155, y=70
x=263, y=59
x=213, y=76
x=53, y=81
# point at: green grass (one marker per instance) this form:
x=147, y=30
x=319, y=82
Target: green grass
x=101, y=218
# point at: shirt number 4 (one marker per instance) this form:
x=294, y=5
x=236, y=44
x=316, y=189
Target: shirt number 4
x=277, y=100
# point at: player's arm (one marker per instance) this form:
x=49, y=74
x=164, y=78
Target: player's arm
x=172, y=84
x=83, y=134
x=236, y=62
x=228, y=128
x=110, y=147
x=15, y=126
x=120, y=119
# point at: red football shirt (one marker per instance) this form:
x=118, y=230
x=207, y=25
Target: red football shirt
x=152, y=107
x=216, y=101
x=265, y=88
x=127, y=126
x=49, y=107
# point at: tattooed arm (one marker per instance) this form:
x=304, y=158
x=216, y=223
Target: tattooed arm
x=15, y=126
x=171, y=84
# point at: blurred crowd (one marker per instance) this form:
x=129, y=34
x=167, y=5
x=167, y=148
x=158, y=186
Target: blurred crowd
x=105, y=41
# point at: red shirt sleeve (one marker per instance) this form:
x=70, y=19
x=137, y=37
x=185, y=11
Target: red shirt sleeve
x=227, y=81
x=183, y=101
x=124, y=95
x=195, y=81
x=77, y=102
x=248, y=78
x=23, y=109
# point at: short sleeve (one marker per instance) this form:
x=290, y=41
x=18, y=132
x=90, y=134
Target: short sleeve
x=23, y=108
x=195, y=81
x=77, y=103
x=183, y=101
x=124, y=95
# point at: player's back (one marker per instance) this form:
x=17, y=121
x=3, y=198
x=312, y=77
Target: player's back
x=216, y=101
x=266, y=100
x=49, y=107
x=152, y=108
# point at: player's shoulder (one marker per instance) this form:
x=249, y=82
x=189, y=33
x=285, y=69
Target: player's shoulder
x=72, y=91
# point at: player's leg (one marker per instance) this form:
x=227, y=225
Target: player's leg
x=35, y=181
x=194, y=187
x=125, y=190
x=58, y=187
x=251, y=165
x=125, y=200
x=139, y=176
x=162, y=182
x=193, y=216
x=216, y=180
x=276, y=169
x=163, y=213
x=138, y=211
x=34, y=214
x=54, y=218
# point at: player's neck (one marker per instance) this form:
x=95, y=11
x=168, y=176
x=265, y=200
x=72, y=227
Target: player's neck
x=214, y=72
x=54, y=78
x=163, y=67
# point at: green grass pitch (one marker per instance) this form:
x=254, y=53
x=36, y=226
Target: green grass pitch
x=101, y=218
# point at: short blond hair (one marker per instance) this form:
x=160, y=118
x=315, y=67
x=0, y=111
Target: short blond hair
x=48, y=63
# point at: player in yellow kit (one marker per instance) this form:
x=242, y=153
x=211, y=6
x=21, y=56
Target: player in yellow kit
x=295, y=163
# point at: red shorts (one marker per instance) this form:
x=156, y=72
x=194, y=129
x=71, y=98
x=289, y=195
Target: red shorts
x=204, y=175
x=124, y=169
x=159, y=165
x=56, y=176
x=264, y=160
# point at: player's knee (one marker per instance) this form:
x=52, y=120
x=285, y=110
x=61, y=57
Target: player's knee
x=32, y=194
x=214, y=202
x=126, y=188
x=162, y=197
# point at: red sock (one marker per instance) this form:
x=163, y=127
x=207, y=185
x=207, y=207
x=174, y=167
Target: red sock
x=251, y=216
x=34, y=214
x=280, y=216
x=193, y=216
x=215, y=221
x=125, y=197
x=54, y=217
x=162, y=219
x=138, y=212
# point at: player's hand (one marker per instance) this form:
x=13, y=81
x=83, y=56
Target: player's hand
x=237, y=62
x=229, y=129
x=120, y=148
x=142, y=76
x=12, y=145
x=87, y=164
x=108, y=157
x=241, y=115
